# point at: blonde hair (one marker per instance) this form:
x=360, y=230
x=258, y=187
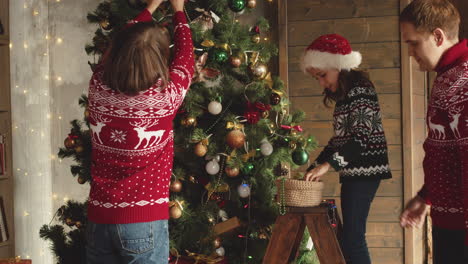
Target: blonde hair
x=428, y=15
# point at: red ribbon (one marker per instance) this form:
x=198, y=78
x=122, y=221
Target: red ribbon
x=297, y=128
x=72, y=136
x=254, y=111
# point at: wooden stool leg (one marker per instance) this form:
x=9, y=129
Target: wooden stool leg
x=287, y=228
x=325, y=242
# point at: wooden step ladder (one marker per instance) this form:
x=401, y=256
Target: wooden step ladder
x=289, y=229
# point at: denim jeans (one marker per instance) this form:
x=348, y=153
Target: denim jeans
x=356, y=198
x=137, y=243
x=449, y=246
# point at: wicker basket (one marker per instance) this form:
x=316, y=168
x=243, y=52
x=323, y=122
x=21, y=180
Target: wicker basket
x=299, y=193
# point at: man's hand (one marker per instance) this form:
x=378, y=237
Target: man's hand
x=317, y=172
x=177, y=5
x=415, y=212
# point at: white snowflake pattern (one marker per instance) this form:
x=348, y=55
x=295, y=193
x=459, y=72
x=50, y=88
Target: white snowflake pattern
x=118, y=136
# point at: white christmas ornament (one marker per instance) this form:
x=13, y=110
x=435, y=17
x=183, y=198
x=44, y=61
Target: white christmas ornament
x=223, y=215
x=220, y=251
x=266, y=148
x=212, y=167
x=244, y=190
x=215, y=108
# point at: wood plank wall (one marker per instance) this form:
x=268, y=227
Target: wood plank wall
x=372, y=28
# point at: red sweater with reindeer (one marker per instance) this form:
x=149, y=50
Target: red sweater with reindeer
x=446, y=161
x=132, y=140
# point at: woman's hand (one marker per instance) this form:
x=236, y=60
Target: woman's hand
x=153, y=5
x=177, y=5
x=415, y=213
x=317, y=172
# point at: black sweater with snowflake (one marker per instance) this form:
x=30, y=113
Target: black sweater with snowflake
x=358, y=150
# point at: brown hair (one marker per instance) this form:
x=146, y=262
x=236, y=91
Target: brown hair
x=428, y=15
x=138, y=57
x=346, y=81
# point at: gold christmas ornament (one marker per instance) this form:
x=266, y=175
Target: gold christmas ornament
x=189, y=121
x=252, y=3
x=175, y=212
x=292, y=145
x=81, y=180
x=78, y=224
x=256, y=38
x=105, y=24
x=217, y=242
x=200, y=149
x=176, y=186
x=265, y=114
x=259, y=70
x=69, y=143
x=192, y=179
x=86, y=113
x=69, y=222
x=79, y=149
x=235, y=139
x=293, y=133
x=232, y=172
x=235, y=61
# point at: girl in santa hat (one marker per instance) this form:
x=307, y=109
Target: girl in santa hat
x=358, y=149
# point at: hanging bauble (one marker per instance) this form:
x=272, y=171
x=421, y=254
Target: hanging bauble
x=215, y=108
x=175, y=212
x=256, y=38
x=219, y=55
x=79, y=149
x=292, y=145
x=266, y=148
x=223, y=215
x=200, y=149
x=217, y=242
x=220, y=251
x=235, y=61
x=136, y=4
x=176, y=186
x=81, y=180
x=192, y=179
x=237, y=5
x=212, y=167
x=244, y=190
x=259, y=70
x=69, y=222
x=189, y=121
x=293, y=132
x=235, y=139
x=251, y=3
x=300, y=156
x=78, y=224
x=86, y=114
x=248, y=168
x=69, y=143
x=275, y=98
x=232, y=172
x=105, y=24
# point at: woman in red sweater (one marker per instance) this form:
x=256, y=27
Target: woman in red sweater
x=133, y=97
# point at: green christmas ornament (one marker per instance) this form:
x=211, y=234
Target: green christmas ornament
x=248, y=168
x=237, y=5
x=219, y=55
x=300, y=156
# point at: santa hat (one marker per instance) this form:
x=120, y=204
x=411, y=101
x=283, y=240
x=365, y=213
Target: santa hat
x=330, y=51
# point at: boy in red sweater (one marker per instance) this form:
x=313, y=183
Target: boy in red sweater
x=133, y=97
x=430, y=28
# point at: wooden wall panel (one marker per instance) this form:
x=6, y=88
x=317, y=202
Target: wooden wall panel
x=332, y=9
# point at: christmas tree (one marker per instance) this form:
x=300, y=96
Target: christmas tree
x=234, y=137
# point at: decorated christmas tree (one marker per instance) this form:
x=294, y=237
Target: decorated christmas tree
x=234, y=137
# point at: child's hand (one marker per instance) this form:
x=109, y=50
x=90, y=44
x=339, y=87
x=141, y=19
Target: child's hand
x=317, y=172
x=177, y=5
x=153, y=5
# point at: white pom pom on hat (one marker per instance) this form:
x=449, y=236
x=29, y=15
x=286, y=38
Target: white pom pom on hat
x=330, y=51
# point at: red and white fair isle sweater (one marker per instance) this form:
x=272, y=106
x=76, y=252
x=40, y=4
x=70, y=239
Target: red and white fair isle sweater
x=446, y=161
x=132, y=139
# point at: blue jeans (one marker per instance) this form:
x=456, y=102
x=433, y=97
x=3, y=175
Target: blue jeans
x=356, y=198
x=138, y=243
